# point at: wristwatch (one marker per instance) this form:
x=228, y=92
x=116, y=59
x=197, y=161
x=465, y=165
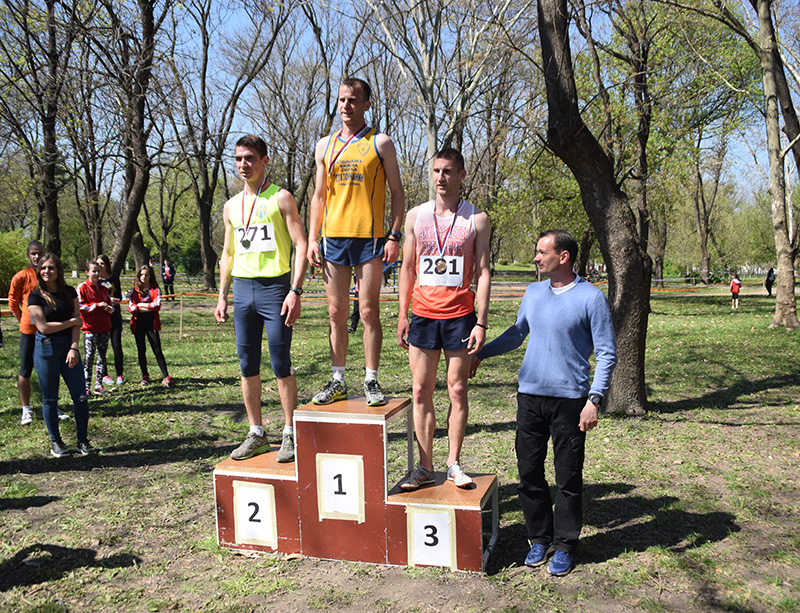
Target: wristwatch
x=296, y=290
x=596, y=399
x=396, y=235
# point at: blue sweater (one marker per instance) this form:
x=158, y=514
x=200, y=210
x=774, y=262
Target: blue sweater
x=564, y=330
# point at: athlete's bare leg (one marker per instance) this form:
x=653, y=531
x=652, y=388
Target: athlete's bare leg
x=370, y=277
x=423, y=363
x=458, y=363
x=287, y=390
x=251, y=393
x=337, y=288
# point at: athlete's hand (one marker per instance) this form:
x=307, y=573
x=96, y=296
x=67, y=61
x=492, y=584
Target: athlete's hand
x=313, y=255
x=291, y=308
x=476, y=340
x=473, y=367
x=402, y=332
x=391, y=251
x=221, y=312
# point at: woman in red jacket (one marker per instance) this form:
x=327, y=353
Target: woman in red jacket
x=144, y=304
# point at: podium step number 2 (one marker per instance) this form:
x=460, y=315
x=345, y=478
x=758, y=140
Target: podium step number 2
x=254, y=514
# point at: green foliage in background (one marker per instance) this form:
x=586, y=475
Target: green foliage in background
x=13, y=258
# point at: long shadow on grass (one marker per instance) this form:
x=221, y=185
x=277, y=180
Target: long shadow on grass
x=43, y=563
x=728, y=397
x=625, y=523
x=26, y=502
x=139, y=453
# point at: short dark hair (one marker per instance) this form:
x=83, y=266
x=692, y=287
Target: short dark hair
x=358, y=83
x=563, y=241
x=90, y=263
x=33, y=244
x=256, y=143
x=452, y=155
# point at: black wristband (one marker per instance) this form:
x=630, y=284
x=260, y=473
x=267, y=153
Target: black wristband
x=482, y=326
x=72, y=349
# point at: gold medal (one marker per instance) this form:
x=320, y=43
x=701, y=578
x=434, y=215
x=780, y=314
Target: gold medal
x=441, y=266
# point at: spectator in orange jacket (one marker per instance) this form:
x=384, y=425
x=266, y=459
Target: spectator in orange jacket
x=21, y=285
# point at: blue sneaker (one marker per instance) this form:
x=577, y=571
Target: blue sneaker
x=537, y=555
x=561, y=564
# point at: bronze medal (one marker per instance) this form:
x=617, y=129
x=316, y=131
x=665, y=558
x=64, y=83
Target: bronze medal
x=441, y=266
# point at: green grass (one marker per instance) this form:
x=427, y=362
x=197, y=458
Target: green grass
x=693, y=507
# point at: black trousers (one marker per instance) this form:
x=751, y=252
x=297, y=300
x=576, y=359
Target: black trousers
x=155, y=344
x=538, y=419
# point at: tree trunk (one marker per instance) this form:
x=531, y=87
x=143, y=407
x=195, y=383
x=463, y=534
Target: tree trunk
x=785, y=306
x=587, y=240
x=209, y=256
x=629, y=266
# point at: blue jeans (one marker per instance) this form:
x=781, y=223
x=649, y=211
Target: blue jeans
x=50, y=360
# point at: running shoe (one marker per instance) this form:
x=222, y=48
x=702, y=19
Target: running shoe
x=420, y=476
x=458, y=476
x=372, y=389
x=27, y=416
x=334, y=390
x=59, y=450
x=253, y=445
x=286, y=452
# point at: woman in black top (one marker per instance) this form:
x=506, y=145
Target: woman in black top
x=111, y=283
x=54, y=310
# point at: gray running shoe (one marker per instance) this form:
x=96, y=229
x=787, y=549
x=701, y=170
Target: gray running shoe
x=334, y=390
x=458, y=476
x=286, y=452
x=420, y=476
x=27, y=416
x=62, y=416
x=59, y=450
x=253, y=445
x=375, y=397
x=85, y=448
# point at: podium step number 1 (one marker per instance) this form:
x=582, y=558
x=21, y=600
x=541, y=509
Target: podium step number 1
x=340, y=485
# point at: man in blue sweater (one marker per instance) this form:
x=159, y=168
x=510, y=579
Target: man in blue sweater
x=567, y=318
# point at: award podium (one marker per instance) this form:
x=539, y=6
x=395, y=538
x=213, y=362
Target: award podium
x=335, y=501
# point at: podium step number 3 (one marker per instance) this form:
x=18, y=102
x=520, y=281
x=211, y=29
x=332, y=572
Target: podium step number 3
x=432, y=536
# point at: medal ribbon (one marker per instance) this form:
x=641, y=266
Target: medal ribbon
x=252, y=208
x=442, y=244
x=354, y=137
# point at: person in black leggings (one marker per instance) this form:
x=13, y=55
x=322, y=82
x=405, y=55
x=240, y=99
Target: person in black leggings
x=111, y=283
x=144, y=303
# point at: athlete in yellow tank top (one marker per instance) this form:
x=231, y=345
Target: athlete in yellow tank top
x=347, y=210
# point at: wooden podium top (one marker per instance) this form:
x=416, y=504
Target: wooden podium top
x=353, y=409
x=445, y=493
x=264, y=463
